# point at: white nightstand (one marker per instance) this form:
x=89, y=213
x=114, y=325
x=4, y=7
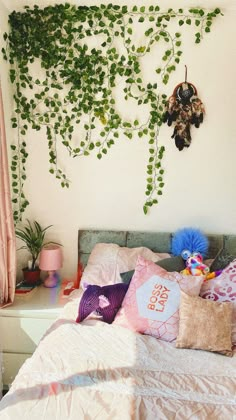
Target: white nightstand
x=23, y=324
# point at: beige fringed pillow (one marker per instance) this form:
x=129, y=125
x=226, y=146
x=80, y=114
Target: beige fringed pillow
x=205, y=325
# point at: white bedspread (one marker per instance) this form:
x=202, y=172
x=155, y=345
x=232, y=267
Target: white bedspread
x=98, y=371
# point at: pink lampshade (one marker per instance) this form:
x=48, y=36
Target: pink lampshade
x=50, y=258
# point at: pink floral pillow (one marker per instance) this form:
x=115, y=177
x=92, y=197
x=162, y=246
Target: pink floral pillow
x=223, y=289
x=151, y=304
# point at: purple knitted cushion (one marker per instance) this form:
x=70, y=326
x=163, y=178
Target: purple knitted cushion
x=105, y=300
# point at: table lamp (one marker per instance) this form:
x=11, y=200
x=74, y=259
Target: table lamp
x=50, y=260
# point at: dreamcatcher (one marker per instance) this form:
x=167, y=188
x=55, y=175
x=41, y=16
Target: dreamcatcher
x=184, y=108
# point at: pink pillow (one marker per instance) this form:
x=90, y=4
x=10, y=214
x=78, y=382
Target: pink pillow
x=223, y=289
x=151, y=304
x=107, y=261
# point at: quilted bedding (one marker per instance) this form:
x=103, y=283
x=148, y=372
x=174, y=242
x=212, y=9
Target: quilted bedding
x=99, y=371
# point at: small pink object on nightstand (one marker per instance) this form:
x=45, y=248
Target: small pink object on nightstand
x=51, y=260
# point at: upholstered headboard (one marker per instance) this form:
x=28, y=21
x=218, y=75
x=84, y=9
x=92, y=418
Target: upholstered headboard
x=156, y=241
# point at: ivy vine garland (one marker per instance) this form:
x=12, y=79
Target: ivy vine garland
x=76, y=86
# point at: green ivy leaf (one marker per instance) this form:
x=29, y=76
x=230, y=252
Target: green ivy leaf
x=145, y=209
x=141, y=19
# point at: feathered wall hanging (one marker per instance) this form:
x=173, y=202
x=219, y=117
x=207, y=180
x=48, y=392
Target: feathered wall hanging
x=184, y=109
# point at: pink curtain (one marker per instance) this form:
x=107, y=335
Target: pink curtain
x=7, y=233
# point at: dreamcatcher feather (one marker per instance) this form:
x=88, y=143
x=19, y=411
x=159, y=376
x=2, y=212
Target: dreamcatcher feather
x=184, y=109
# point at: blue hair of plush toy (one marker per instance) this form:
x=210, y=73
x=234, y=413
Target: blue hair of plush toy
x=191, y=239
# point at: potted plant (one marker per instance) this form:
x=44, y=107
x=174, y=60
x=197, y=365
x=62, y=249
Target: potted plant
x=33, y=235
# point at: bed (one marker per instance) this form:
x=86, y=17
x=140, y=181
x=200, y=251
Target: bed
x=95, y=370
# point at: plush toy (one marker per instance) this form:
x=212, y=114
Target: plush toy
x=192, y=245
x=194, y=264
x=189, y=240
x=213, y=274
x=104, y=300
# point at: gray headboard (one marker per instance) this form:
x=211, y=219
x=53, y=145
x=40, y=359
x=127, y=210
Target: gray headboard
x=156, y=241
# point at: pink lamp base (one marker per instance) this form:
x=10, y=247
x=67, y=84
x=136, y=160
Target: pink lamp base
x=51, y=280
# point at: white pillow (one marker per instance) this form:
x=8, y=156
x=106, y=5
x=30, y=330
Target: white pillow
x=107, y=261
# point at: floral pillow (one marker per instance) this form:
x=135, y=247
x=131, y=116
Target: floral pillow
x=151, y=304
x=223, y=289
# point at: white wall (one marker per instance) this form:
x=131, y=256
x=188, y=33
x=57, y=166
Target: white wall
x=199, y=182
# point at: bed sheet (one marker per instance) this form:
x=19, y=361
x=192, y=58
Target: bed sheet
x=98, y=371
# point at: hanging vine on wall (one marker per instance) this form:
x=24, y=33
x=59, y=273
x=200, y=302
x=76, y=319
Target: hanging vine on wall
x=77, y=81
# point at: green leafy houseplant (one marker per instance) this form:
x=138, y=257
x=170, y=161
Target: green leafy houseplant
x=33, y=235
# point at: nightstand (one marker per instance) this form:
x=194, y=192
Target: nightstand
x=23, y=324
